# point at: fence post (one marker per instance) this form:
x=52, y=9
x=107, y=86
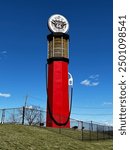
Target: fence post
x=92, y=125
x=97, y=131
x=103, y=133
x=40, y=117
x=91, y=129
x=23, y=115
x=3, y=116
x=82, y=130
x=109, y=132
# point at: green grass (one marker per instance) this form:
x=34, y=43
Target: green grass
x=18, y=137
x=77, y=134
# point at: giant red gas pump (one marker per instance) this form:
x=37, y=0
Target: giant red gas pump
x=58, y=96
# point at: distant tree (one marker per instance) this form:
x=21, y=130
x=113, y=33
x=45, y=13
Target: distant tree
x=14, y=116
x=33, y=115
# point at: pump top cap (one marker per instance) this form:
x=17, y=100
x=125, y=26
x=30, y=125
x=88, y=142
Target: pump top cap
x=58, y=24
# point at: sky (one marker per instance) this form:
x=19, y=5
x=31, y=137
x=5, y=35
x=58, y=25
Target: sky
x=23, y=54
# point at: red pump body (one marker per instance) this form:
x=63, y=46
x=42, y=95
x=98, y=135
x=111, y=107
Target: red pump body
x=58, y=96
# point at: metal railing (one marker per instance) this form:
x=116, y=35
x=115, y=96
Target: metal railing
x=78, y=129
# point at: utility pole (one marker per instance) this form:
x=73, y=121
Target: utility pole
x=26, y=98
x=24, y=108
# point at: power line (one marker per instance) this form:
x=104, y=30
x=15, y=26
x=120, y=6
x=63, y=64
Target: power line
x=80, y=107
x=92, y=107
x=92, y=114
x=34, y=97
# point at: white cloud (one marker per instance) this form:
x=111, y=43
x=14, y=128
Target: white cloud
x=85, y=82
x=106, y=122
x=94, y=77
x=4, y=52
x=94, y=83
x=107, y=103
x=29, y=107
x=91, y=81
x=6, y=95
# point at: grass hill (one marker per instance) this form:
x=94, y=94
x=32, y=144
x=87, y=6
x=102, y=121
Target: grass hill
x=18, y=137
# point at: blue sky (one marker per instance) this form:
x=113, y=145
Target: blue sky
x=23, y=51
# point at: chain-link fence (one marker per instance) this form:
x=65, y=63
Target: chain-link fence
x=78, y=129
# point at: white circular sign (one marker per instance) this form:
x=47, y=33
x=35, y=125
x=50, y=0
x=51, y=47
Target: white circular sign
x=58, y=23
